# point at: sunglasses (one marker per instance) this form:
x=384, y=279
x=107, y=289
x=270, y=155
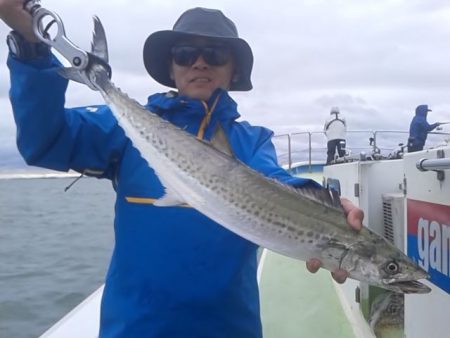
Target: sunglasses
x=215, y=55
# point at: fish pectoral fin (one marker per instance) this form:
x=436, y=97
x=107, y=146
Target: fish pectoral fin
x=335, y=251
x=169, y=200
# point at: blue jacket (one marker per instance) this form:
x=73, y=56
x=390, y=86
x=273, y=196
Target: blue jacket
x=419, y=127
x=174, y=272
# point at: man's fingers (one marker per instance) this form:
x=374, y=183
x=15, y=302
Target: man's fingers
x=354, y=219
x=339, y=275
x=13, y=14
x=354, y=214
x=313, y=265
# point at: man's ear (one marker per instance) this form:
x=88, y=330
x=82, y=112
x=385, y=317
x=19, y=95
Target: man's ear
x=236, y=77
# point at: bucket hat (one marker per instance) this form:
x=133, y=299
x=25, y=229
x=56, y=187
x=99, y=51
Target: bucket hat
x=198, y=22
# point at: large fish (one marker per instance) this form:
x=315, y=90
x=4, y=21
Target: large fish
x=299, y=223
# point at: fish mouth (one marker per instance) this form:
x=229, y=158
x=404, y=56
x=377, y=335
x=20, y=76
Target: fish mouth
x=411, y=286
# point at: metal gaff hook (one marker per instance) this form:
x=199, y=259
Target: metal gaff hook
x=77, y=57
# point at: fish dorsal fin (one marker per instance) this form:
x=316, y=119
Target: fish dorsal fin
x=220, y=142
x=329, y=197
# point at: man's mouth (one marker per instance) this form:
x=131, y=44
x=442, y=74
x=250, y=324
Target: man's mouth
x=200, y=80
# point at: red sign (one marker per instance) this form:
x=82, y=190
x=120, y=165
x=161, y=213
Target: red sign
x=429, y=239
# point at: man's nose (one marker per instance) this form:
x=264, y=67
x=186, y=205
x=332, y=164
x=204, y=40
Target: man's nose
x=200, y=63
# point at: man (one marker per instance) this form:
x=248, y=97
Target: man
x=335, y=129
x=419, y=129
x=174, y=272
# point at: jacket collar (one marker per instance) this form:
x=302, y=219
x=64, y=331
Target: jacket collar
x=195, y=116
x=170, y=104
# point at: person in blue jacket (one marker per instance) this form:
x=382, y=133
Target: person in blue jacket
x=173, y=272
x=419, y=129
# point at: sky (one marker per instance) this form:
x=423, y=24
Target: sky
x=375, y=60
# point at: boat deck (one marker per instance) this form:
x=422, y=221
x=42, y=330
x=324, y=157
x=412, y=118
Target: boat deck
x=296, y=303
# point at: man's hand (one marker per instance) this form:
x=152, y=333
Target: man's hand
x=354, y=219
x=13, y=14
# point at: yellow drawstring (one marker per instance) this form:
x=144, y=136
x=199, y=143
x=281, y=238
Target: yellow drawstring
x=200, y=135
x=207, y=118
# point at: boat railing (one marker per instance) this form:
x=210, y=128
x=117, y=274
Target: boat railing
x=310, y=147
x=433, y=164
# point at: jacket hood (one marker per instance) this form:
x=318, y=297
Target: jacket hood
x=422, y=110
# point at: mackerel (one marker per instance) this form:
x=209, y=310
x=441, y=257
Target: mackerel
x=299, y=223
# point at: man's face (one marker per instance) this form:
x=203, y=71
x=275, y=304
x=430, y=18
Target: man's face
x=200, y=66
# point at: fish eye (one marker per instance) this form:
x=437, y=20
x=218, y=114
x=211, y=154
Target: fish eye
x=392, y=268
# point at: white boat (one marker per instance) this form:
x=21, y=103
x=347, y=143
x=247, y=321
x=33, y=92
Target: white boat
x=410, y=206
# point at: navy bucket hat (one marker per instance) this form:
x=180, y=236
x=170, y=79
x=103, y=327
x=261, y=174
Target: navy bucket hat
x=198, y=22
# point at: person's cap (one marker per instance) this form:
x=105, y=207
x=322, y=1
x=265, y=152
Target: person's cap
x=334, y=110
x=198, y=22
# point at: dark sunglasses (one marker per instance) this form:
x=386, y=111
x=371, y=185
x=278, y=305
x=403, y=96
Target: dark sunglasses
x=186, y=56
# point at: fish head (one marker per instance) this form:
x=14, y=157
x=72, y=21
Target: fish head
x=384, y=265
x=400, y=274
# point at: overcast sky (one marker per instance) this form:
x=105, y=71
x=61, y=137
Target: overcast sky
x=376, y=60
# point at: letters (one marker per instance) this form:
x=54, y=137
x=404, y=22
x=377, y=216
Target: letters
x=433, y=244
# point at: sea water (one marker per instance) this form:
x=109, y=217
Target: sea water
x=55, y=248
